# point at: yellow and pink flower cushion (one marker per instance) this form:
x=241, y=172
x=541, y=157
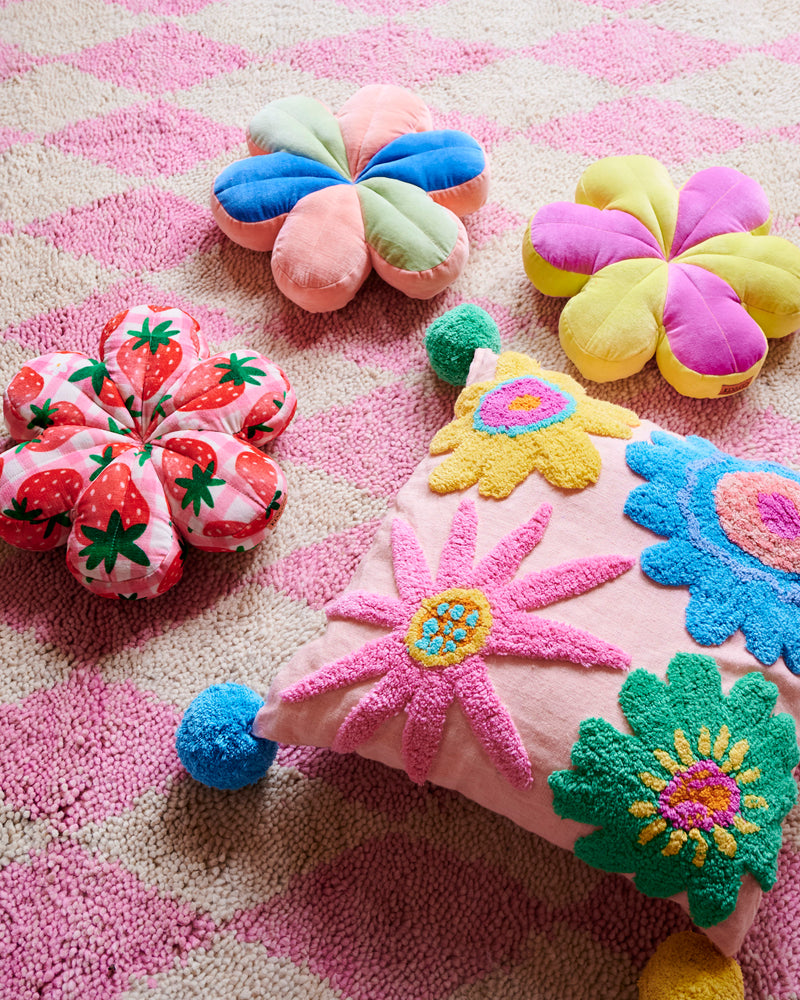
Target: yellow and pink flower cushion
x=517, y=651
x=334, y=196
x=129, y=457
x=691, y=277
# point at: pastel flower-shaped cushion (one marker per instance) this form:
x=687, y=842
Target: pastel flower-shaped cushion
x=129, y=457
x=373, y=186
x=691, y=277
x=478, y=633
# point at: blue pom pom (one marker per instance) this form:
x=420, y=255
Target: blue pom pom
x=452, y=339
x=214, y=740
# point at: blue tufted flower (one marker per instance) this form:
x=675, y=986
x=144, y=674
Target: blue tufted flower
x=733, y=530
x=372, y=186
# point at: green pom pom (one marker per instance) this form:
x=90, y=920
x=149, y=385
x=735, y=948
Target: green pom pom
x=452, y=339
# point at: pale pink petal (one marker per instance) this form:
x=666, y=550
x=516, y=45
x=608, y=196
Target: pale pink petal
x=422, y=734
x=387, y=699
x=503, y=561
x=492, y=724
x=376, y=115
x=374, y=609
x=370, y=661
x=411, y=571
x=540, y=638
x=458, y=553
x=320, y=258
x=569, y=579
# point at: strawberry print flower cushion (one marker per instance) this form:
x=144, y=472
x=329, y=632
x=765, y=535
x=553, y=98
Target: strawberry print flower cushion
x=154, y=445
x=691, y=276
x=334, y=196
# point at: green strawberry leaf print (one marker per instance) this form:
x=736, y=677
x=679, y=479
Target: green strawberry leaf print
x=129, y=407
x=237, y=371
x=62, y=519
x=42, y=415
x=106, y=458
x=106, y=544
x=19, y=511
x=198, y=488
x=96, y=371
x=155, y=338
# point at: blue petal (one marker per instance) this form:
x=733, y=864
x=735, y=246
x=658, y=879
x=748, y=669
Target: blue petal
x=265, y=187
x=433, y=161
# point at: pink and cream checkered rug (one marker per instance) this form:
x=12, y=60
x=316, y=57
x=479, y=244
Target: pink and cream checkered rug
x=120, y=877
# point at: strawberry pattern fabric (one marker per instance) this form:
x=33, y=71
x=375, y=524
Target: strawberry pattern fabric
x=155, y=444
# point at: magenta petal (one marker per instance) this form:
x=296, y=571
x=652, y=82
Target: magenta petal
x=569, y=579
x=458, y=552
x=366, y=663
x=716, y=201
x=374, y=609
x=502, y=562
x=387, y=699
x=492, y=724
x=532, y=637
x=583, y=239
x=426, y=713
x=411, y=573
x=707, y=328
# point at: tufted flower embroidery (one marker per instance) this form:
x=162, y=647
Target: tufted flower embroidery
x=372, y=186
x=128, y=457
x=442, y=629
x=733, y=530
x=691, y=277
x=695, y=797
x=525, y=418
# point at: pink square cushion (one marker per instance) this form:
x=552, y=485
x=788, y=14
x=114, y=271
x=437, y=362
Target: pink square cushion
x=563, y=579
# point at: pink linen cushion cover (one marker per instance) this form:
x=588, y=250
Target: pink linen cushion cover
x=627, y=616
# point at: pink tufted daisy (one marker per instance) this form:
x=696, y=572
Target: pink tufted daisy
x=443, y=628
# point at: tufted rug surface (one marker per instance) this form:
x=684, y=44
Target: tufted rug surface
x=120, y=877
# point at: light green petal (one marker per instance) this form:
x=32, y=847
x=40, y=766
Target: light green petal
x=302, y=126
x=405, y=226
x=610, y=329
x=764, y=271
x=638, y=185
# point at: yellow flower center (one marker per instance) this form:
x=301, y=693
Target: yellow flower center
x=449, y=627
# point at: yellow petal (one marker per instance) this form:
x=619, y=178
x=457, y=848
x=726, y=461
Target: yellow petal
x=683, y=748
x=507, y=462
x=641, y=810
x=755, y=802
x=652, y=830
x=566, y=455
x=451, y=435
x=745, y=826
x=704, y=742
x=721, y=742
x=676, y=841
x=639, y=185
x=461, y=469
x=652, y=781
x=745, y=777
x=764, y=271
x=701, y=848
x=725, y=842
x=736, y=755
x=607, y=419
x=666, y=761
x=610, y=330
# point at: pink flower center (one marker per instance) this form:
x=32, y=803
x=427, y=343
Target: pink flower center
x=702, y=796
